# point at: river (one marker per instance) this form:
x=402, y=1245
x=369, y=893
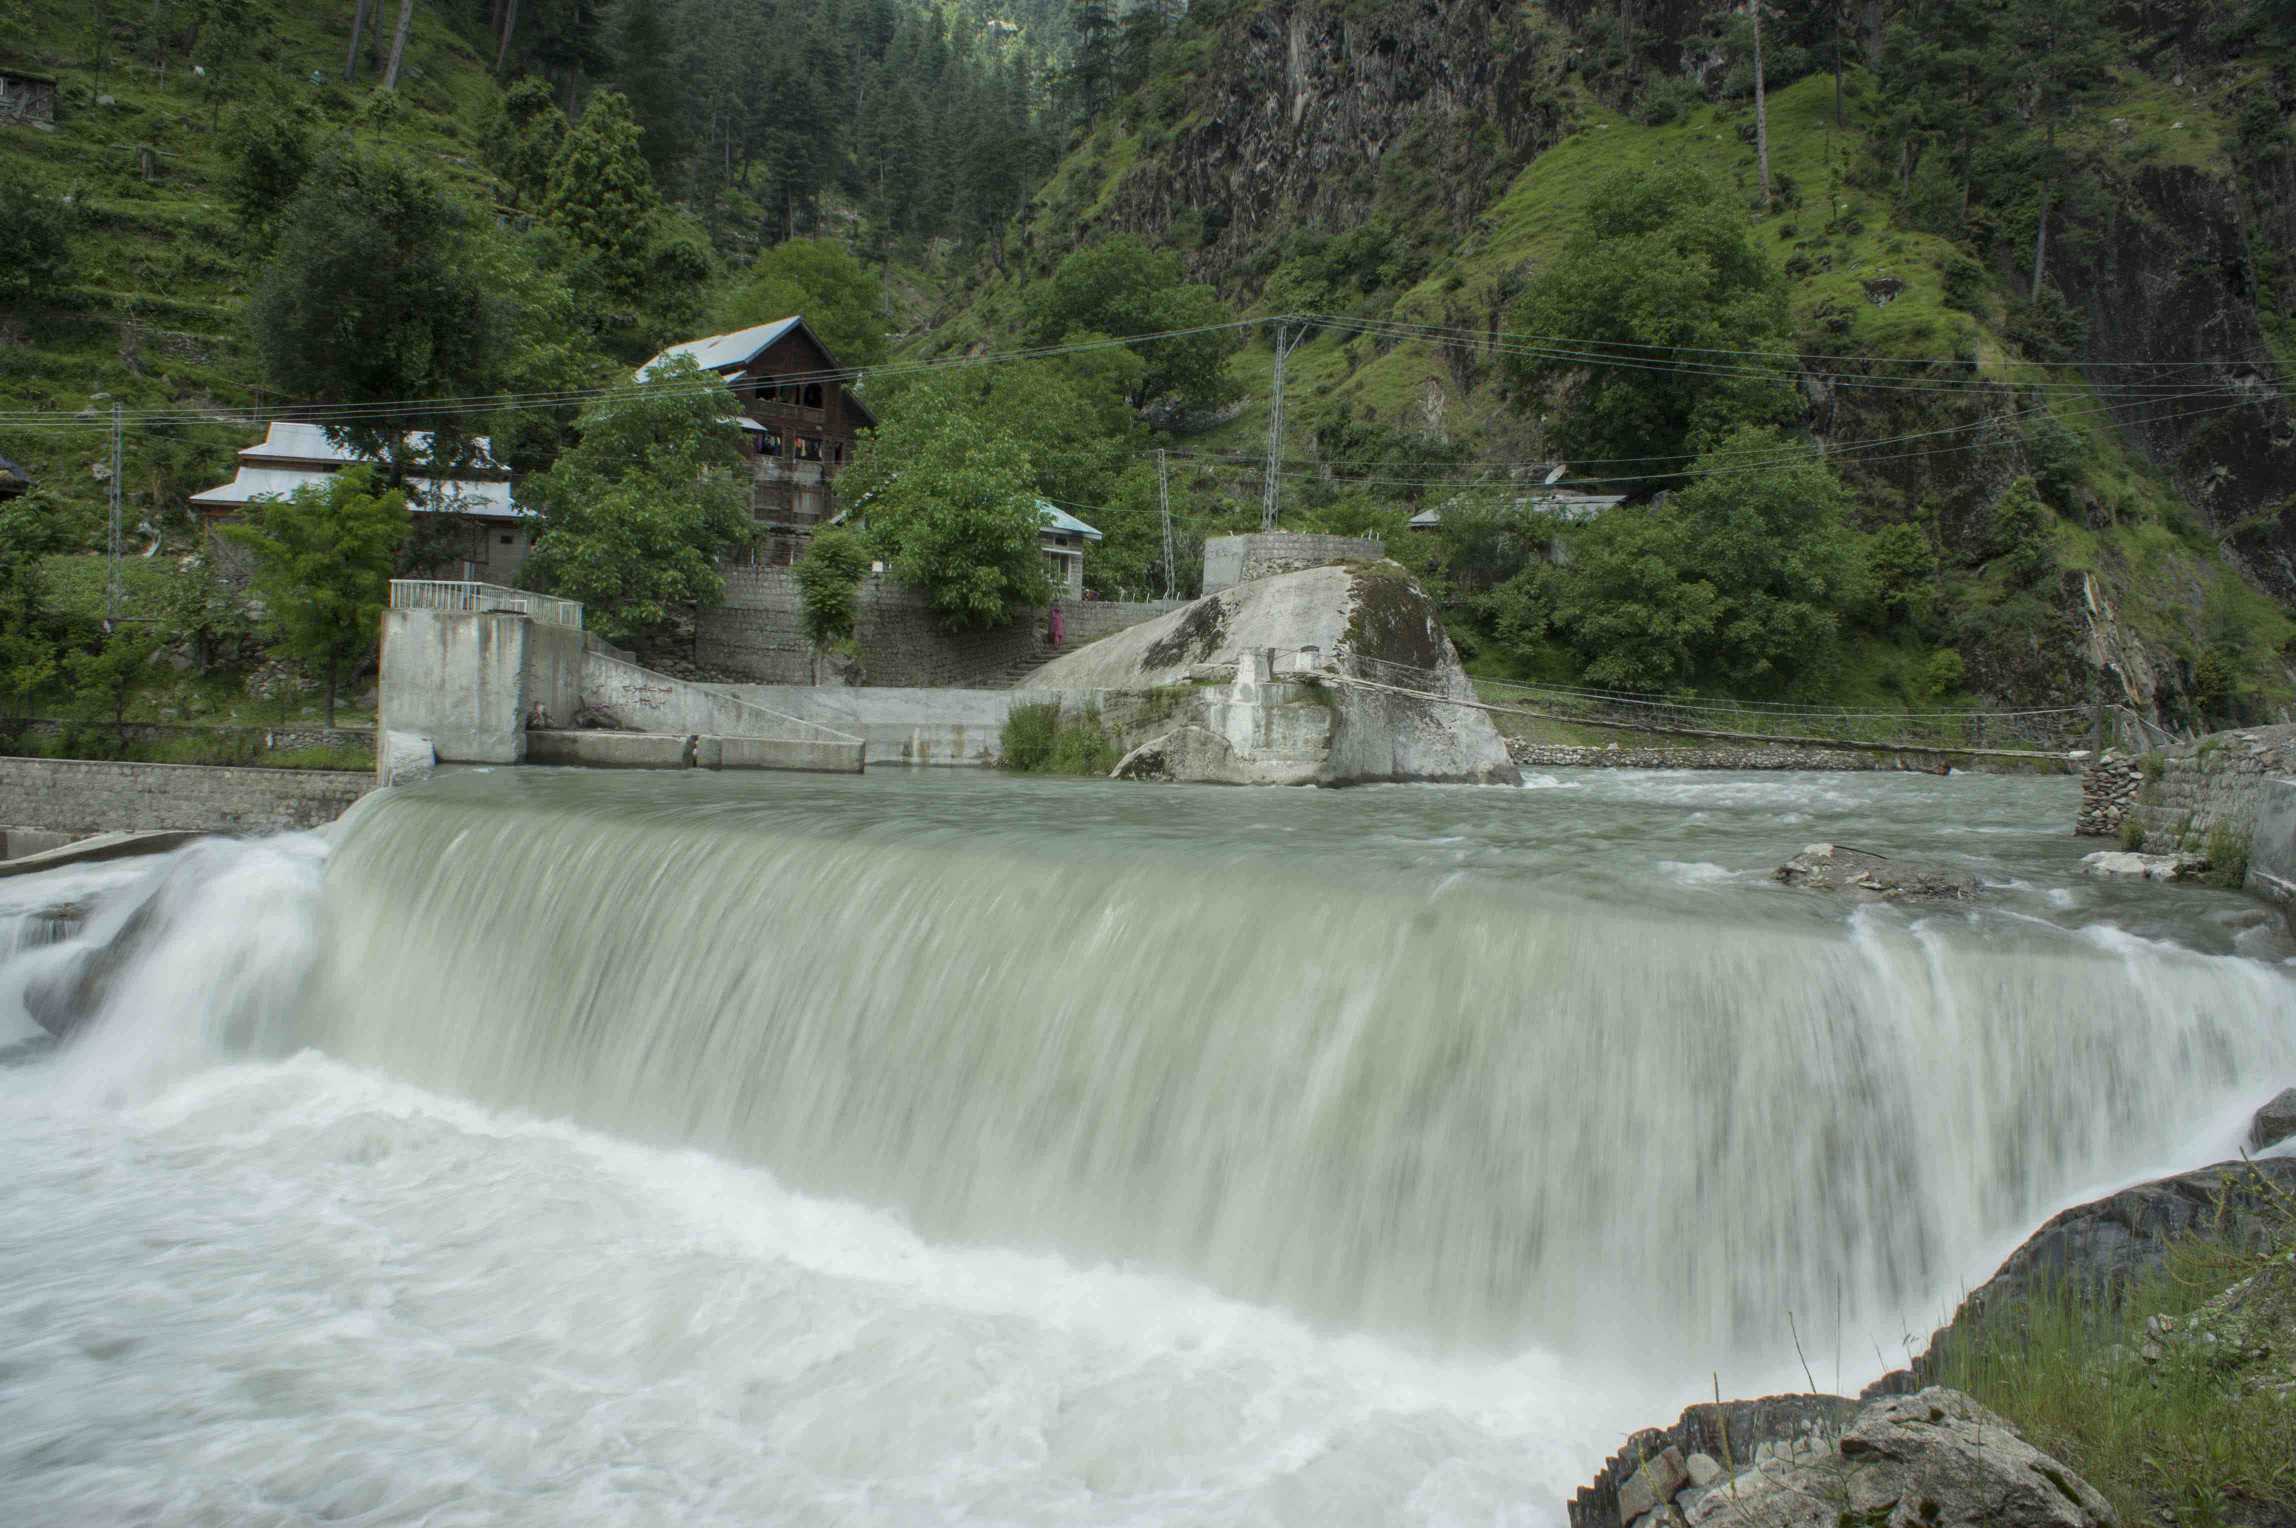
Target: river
x=547, y=1147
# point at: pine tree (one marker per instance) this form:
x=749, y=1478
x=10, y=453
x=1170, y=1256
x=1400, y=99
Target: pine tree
x=601, y=194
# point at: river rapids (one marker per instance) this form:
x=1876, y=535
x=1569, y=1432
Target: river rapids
x=541, y=1147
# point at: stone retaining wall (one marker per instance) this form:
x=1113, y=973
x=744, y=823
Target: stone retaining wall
x=1232, y=560
x=756, y=632
x=277, y=738
x=93, y=796
x=2183, y=795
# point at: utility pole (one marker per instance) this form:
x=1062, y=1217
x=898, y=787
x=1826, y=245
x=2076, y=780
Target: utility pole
x=112, y=583
x=1164, y=509
x=1284, y=348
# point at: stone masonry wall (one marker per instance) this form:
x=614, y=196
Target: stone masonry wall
x=1232, y=560
x=2182, y=795
x=274, y=739
x=87, y=796
x=756, y=633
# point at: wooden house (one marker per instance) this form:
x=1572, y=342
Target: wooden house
x=483, y=535
x=803, y=422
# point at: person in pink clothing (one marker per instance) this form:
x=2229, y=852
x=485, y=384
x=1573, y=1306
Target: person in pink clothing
x=1059, y=627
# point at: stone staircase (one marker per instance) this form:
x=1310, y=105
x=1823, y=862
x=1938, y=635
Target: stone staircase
x=1015, y=673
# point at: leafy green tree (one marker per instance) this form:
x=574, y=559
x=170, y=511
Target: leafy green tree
x=371, y=294
x=322, y=565
x=32, y=630
x=2023, y=539
x=200, y=606
x=1662, y=273
x=1740, y=582
x=602, y=194
x=639, y=512
x=841, y=300
x=950, y=503
x=1904, y=568
x=828, y=577
x=1070, y=412
x=523, y=139
x=1122, y=287
x=270, y=151
x=35, y=250
x=106, y=676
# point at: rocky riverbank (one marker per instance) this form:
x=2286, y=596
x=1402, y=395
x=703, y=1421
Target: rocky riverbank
x=1911, y=1453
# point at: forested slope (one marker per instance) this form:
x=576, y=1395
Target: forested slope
x=1427, y=165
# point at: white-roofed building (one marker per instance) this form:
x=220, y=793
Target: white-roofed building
x=803, y=422
x=1552, y=497
x=485, y=534
x=1062, y=542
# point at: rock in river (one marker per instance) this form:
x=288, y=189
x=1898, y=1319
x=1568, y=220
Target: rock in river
x=2273, y=1123
x=1837, y=867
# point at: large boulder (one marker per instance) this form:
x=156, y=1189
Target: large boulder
x=1341, y=675
x=1862, y=873
x=2127, y=865
x=1935, y=1459
x=2273, y=1123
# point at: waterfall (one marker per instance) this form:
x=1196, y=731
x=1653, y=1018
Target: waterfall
x=1451, y=1110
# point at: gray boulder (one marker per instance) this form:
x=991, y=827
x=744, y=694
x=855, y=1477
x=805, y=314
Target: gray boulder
x=2274, y=1123
x=1862, y=873
x=1936, y=1459
x=2124, y=865
x=1331, y=676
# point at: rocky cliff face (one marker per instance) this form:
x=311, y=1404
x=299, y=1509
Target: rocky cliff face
x=2169, y=280
x=1317, y=112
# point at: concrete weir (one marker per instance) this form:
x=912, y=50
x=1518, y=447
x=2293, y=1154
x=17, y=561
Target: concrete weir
x=494, y=684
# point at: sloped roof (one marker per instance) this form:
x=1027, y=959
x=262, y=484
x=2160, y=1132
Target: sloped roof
x=478, y=498
x=289, y=441
x=10, y=472
x=1058, y=519
x=738, y=348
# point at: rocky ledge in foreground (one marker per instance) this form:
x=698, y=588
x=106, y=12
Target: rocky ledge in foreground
x=1908, y=1455
x=1932, y=1460
x=1861, y=873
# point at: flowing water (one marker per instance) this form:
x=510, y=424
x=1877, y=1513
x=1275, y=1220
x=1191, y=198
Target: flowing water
x=548, y=1147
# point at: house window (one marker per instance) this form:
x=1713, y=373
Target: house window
x=813, y=395
x=507, y=540
x=837, y=453
x=808, y=449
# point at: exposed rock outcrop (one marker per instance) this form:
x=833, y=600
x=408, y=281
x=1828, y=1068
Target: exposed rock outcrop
x=1936, y=1459
x=2125, y=865
x=2273, y=1123
x=2118, y=1239
x=1860, y=873
x=1289, y=713
x=1932, y=1460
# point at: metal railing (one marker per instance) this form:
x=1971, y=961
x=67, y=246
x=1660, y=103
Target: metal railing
x=2053, y=729
x=476, y=599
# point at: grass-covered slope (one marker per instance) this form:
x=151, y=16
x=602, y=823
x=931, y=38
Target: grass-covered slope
x=151, y=311
x=2141, y=580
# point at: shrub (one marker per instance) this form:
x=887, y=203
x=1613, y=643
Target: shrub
x=2132, y=832
x=828, y=576
x=2227, y=857
x=1037, y=741
x=2152, y=765
x=1029, y=733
